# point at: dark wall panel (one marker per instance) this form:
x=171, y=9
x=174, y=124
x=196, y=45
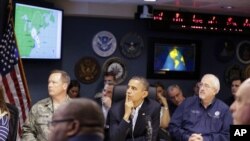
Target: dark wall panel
x=77, y=43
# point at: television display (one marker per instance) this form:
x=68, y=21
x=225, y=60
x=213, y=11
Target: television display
x=175, y=59
x=38, y=31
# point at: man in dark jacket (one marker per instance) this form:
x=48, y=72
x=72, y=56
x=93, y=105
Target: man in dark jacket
x=80, y=119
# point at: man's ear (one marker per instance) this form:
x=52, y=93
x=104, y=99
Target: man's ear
x=145, y=94
x=65, y=86
x=73, y=128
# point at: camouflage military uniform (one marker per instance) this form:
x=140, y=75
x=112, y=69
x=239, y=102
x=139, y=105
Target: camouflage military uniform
x=36, y=126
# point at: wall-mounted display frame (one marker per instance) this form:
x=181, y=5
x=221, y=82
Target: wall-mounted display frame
x=243, y=52
x=173, y=58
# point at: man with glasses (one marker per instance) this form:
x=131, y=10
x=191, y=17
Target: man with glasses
x=36, y=125
x=83, y=123
x=202, y=117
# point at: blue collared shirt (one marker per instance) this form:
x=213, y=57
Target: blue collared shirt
x=190, y=117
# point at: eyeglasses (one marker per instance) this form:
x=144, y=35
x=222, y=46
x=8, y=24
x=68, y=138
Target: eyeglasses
x=54, y=122
x=204, y=85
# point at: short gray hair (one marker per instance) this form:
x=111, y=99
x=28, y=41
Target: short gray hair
x=215, y=81
x=65, y=76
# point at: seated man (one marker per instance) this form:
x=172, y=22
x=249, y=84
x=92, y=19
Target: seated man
x=83, y=123
x=136, y=118
x=174, y=92
x=36, y=127
x=235, y=84
x=241, y=106
x=105, y=102
x=203, y=117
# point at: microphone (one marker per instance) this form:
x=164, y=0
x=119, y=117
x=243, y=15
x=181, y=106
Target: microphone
x=149, y=128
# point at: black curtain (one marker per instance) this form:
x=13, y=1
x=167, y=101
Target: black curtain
x=3, y=15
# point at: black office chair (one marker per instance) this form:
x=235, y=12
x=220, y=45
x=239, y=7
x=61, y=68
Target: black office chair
x=119, y=93
x=13, y=123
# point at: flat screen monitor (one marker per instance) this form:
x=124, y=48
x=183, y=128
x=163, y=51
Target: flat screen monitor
x=173, y=58
x=38, y=31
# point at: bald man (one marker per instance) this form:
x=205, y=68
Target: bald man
x=202, y=117
x=241, y=106
x=78, y=120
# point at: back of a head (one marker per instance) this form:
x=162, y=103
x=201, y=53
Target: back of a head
x=88, y=113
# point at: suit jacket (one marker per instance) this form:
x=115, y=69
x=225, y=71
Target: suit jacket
x=121, y=130
x=85, y=138
x=13, y=123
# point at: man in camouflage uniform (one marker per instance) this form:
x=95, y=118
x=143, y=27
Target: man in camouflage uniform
x=36, y=127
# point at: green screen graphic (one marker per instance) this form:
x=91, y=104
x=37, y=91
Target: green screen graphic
x=38, y=31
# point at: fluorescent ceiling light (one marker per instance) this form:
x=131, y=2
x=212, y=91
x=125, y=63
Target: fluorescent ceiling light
x=149, y=0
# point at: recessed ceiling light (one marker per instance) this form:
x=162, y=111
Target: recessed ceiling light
x=150, y=0
x=227, y=7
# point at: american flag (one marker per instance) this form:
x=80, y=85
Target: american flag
x=12, y=77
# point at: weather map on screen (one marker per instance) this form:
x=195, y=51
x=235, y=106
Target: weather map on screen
x=173, y=58
x=170, y=57
x=38, y=31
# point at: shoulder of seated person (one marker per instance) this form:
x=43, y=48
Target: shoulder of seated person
x=98, y=95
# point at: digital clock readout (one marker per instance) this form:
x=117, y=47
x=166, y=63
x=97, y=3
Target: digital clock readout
x=163, y=19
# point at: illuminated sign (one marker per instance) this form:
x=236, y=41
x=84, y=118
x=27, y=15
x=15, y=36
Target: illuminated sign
x=187, y=21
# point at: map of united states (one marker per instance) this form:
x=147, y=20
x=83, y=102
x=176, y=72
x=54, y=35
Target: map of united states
x=36, y=31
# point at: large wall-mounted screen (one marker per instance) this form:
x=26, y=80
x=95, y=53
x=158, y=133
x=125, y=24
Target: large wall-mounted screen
x=38, y=31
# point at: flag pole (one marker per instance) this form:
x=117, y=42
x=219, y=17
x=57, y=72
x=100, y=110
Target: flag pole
x=10, y=7
x=10, y=18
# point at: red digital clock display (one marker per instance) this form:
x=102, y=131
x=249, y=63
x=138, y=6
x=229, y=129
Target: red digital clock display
x=165, y=19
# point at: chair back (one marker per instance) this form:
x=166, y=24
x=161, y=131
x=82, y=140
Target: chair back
x=119, y=92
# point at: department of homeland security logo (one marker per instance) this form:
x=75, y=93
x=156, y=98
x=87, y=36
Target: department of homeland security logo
x=104, y=43
x=216, y=114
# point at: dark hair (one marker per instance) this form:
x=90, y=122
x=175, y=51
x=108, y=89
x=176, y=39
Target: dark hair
x=73, y=83
x=143, y=80
x=110, y=73
x=3, y=105
x=172, y=87
x=159, y=84
x=236, y=78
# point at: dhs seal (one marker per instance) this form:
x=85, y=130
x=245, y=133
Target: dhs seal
x=104, y=43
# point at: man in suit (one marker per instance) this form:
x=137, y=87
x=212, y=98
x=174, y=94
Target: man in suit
x=136, y=118
x=83, y=123
x=105, y=102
